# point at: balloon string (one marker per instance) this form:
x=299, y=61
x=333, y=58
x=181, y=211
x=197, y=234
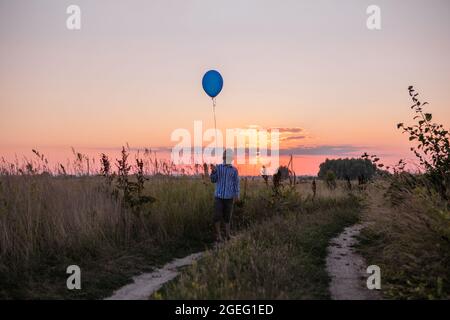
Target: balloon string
x=215, y=124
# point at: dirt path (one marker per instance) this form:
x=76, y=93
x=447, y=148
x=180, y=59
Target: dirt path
x=347, y=269
x=147, y=283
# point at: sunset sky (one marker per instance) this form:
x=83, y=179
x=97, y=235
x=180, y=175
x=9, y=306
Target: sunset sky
x=133, y=73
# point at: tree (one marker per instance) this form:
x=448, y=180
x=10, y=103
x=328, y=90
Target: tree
x=348, y=168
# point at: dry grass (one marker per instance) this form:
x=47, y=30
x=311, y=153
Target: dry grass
x=304, y=188
x=50, y=222
x=410, y=242
x=282, y=257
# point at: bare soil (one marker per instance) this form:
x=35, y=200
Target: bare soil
x=347, y=268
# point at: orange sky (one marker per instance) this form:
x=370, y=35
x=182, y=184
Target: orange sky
x=133, y=73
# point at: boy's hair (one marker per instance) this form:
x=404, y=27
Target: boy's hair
x=228, y=156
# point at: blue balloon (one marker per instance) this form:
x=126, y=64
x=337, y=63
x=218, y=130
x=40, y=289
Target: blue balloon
x=212, y=83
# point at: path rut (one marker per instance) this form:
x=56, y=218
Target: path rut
x=347, y=268
x=147, y=283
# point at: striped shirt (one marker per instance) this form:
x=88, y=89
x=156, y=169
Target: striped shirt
x=226, y=178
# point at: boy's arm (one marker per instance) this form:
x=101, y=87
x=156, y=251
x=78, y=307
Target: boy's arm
x=213, y=175
x=237, y=189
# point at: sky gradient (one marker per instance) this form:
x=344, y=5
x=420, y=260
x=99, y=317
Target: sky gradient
x=133, y=73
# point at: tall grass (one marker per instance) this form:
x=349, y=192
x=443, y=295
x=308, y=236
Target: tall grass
x=283, y=257
x=49, y=221
x=52, y=222
x=408, y=237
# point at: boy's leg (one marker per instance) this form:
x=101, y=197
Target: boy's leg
x=218, y=213
x=227, y=212
x=218, y=235
x=227, y=231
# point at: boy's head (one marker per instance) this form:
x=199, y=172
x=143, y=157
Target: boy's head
x=228, y=156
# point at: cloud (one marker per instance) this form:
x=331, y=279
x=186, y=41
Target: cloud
x=322, y=150
x=297, y=137
x=289, y=129
x=291, y=134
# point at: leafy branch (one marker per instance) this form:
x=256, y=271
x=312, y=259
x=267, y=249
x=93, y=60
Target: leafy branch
x=433, y=147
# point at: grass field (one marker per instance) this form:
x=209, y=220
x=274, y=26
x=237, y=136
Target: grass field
x=50, y=222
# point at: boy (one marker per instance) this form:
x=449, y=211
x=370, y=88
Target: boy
x=226, y=178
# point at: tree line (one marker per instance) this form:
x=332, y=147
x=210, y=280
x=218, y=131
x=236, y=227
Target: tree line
x=348, y=168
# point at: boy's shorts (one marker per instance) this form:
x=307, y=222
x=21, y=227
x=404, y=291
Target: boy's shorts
x=223, y=209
